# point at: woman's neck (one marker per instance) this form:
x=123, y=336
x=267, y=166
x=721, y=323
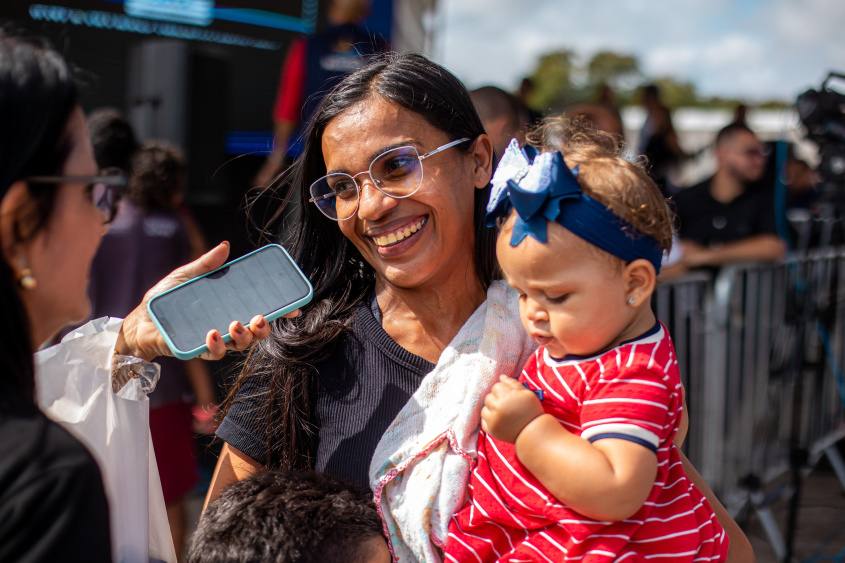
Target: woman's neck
x=424, y=319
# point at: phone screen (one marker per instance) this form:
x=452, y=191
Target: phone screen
x=260, y=283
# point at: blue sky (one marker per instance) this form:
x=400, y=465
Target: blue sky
x=753, y=49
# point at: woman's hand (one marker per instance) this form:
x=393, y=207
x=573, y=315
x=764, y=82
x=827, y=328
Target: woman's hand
x=139, y=337
x=508, y=408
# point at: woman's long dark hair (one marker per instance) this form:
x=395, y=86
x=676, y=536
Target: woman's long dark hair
x=37, y=96
x=339, y=274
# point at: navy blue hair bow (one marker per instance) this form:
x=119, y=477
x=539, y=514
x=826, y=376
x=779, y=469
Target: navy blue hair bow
x=541, y=188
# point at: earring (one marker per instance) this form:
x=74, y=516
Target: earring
x=631, y=301
x=26, y=280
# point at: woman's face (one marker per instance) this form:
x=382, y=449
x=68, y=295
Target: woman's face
x=436, y=222
x=60, y=254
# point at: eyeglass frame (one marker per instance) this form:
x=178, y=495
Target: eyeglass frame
x=368, y=171
x=117, y=179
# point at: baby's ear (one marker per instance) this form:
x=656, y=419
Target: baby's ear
x=640, y=280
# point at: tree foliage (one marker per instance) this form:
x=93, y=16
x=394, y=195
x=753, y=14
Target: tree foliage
x=561, y=78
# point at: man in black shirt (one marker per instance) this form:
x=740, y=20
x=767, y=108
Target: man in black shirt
x=727, y=218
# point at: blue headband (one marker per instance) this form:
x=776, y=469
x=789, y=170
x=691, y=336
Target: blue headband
x=542, y=188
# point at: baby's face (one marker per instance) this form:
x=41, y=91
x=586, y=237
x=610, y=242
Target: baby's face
x=572, y=296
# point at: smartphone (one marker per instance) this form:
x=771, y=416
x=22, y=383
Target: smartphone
x=265, y=282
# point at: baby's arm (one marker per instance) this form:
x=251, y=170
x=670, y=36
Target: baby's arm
x=607, y=480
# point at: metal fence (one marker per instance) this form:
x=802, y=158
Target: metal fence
x=761, y=349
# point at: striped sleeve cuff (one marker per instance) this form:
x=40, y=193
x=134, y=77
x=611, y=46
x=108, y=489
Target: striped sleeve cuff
x=630, y=432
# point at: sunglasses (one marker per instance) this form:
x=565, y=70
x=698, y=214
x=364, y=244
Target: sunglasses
x=106, y=188
x=396, y=173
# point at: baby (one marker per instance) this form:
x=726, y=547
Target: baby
x=575, y=458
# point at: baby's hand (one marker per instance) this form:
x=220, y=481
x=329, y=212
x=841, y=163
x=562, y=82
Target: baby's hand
x=508, y=408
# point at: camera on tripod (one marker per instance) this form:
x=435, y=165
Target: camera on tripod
x=821, y=112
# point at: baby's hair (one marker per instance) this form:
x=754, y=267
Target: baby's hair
x=606, y=175
x=288, y=517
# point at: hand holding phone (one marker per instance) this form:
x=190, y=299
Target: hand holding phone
x=140, y=337
x=266, y=282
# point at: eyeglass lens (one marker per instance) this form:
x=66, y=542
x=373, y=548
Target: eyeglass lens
x=107, y=194
x=105, y=199
x=396, y=173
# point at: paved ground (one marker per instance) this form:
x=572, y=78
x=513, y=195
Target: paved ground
x=820, y=530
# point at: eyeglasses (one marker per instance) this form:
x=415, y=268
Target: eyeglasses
x=755, y=153
x=106, y=188
x=396, y=173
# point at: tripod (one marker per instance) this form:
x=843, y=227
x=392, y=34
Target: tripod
x=809, y=300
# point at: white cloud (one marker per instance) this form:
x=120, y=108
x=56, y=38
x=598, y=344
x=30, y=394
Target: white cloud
x=753, y=48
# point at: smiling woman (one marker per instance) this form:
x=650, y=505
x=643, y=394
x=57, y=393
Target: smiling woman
x=401, y=266
x=393, y=282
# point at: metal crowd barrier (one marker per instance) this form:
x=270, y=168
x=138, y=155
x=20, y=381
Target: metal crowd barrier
x=761, y=349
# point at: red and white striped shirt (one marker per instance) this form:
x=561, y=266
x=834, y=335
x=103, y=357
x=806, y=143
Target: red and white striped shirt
x=630, y=392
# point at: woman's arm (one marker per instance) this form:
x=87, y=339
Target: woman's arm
x=233, y=466
x=740, y=548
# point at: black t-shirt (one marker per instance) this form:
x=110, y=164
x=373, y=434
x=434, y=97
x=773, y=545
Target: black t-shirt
x=358, y=392
x=709, y=222
x=52, y=503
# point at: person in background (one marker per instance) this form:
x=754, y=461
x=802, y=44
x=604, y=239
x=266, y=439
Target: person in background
x=729, y=217
x=500, y=114
x=740, y=115
x=314, y=64
x=523, y=94
x=112, y=138
x=658, y=140
x=600, y=117
x=148, y=239
x=290, y=517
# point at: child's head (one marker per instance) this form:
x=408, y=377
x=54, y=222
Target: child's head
x=288, y=517
x=578, y=296
x=159, y=174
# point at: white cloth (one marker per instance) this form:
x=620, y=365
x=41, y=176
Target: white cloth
x=73, y=386
x=421, y=466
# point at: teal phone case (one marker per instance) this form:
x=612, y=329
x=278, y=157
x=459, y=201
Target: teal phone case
x=189, y=354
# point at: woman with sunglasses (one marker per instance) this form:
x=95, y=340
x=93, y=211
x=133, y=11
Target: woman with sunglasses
x=54, y=208
x=393, y=184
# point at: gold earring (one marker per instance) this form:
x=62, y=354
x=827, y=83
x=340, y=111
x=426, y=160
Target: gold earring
x=26, y=280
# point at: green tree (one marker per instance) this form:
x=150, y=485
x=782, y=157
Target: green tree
x=617, y=70
x=676, y=93
x=553, y=81
x=562, y=80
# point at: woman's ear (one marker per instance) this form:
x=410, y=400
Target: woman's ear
x=482, y=157
x=15, y=209
x=640, y=280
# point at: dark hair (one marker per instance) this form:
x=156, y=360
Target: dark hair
x=339, y=274
x=112, y=138
x=728, y=131
x=492, y=102
x=288, y=517
x=37, y=96
x=158, y=175
x=651, y=91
